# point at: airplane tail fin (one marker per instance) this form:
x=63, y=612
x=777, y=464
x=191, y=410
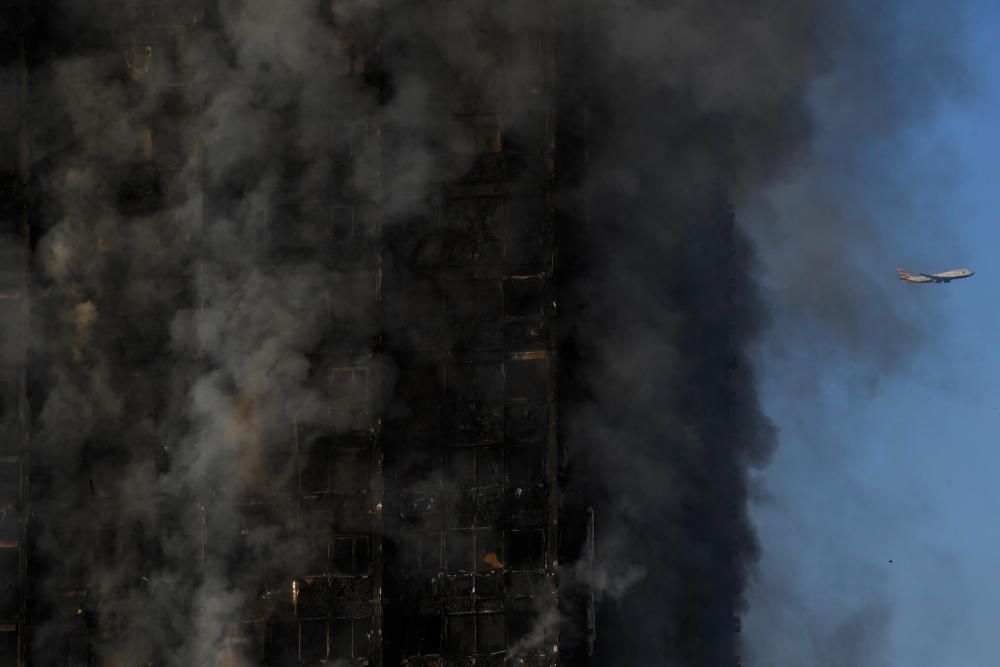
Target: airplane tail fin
x=903, y=275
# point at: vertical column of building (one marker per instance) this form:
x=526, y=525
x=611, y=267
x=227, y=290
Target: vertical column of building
x=94, y=558
x=317, y=501
x=148, y=246
x=339, y=475
x=470, y=325
x=13, y=319
x=572, y=229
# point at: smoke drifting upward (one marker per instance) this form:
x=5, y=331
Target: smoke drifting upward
x=696, y=105
x=203, y=330
x=870, y=199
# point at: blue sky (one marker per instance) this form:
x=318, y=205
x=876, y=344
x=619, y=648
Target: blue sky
x=900, y=463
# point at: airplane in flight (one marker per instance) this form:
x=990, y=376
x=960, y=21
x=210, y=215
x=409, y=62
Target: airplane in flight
x=943, y=277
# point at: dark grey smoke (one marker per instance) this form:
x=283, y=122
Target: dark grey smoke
x=850, y=202
x=838, y=321
x=194, y=331
x=696, y=106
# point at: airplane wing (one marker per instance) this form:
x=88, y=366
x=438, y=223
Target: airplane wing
x=915, y=278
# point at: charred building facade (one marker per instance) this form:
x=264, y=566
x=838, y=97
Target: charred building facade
x=406, y=512
x=308, y=290
x=13, y=363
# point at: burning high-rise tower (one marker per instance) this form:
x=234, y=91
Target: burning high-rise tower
x=367, y=333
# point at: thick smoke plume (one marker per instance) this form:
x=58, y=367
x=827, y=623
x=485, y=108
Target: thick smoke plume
x=202, y=332
x=728, y=104
x=873, y=201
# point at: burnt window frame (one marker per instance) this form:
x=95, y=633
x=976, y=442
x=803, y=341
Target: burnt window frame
x=421, y=546
x=512, y=296
x=479, y=459
x=482, y=541
x=419, y=636
x=357, y=412
x=360, y=647
x=467, y=133
x=468, y=382
x=534, y=541
x=475, y=299
x=320, y=460
x=323, y=643
x=474, y=229
x=477, y=645
x=519, y=415
x=10, y=587
x=359, y=626
x=524, y=240
x=359, y=483
x=11, y=397
x=534, y=455
x=531, y=367
x=322, y=553
x=361, y=554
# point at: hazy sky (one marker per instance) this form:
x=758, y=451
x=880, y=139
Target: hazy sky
x=898, y=463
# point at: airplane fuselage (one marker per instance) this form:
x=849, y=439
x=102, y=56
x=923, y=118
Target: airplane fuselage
x=942, y=277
